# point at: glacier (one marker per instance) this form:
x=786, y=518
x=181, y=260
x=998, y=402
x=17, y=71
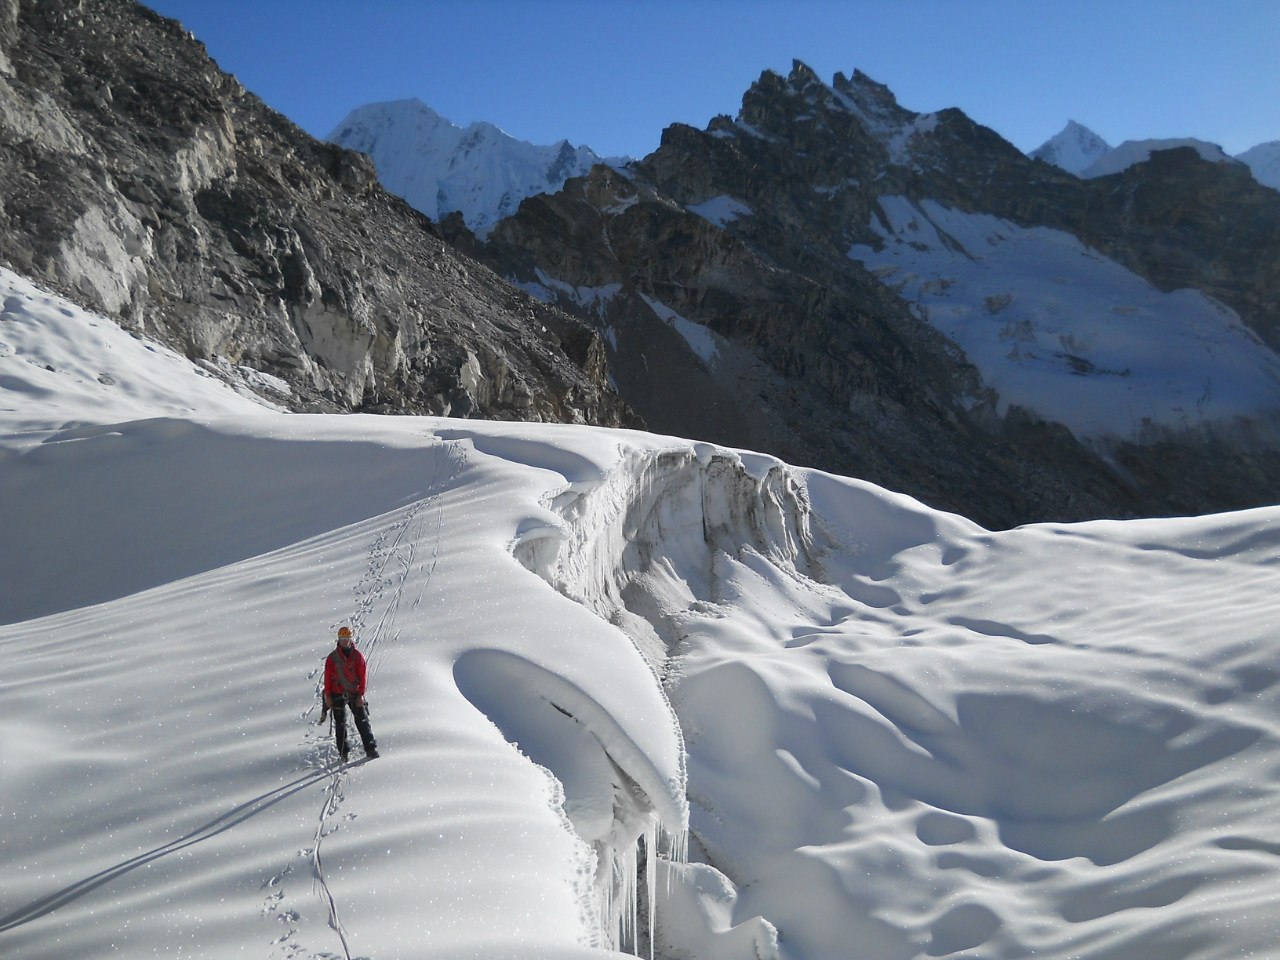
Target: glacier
x=635, y=693
x=1061, y=330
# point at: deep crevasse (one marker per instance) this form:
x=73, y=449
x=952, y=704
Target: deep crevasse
x=638, y=549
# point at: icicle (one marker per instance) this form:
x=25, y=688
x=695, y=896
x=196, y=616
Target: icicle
x=651, y=873
x=627, y=932
x=635, y=904
x=677, y=845
x=606, y=914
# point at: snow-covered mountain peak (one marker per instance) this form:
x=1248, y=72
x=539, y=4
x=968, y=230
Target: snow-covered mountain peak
x=1074, y=148
x=439, y=167
x=371, y=127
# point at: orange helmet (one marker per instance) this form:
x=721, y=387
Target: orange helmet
x=344, y=633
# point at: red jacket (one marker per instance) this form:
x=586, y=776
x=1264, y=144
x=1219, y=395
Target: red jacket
x=344, y=672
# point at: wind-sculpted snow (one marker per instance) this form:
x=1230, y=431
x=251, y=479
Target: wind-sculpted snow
x=891, y=733
x=1019, y=743
x=166, y=786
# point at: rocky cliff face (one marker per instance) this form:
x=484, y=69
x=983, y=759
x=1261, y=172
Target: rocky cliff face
x=149, y=185
x=723, y=272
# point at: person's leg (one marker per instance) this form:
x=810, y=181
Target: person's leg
x=340, y=724
x=361, y=716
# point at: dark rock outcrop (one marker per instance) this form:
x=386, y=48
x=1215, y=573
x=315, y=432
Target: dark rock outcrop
x=141, y=180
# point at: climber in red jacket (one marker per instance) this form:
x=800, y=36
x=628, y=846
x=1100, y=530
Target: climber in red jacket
x=344, y=682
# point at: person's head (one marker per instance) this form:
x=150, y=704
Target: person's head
x=345, y=637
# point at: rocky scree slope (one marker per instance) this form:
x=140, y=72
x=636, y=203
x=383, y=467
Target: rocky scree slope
x=148, y=185
x=719, y=270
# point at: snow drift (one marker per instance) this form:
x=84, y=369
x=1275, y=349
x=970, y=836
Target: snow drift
x=889, y=732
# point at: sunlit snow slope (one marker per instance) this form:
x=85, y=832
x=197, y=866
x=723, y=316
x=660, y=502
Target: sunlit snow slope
x=892, y=733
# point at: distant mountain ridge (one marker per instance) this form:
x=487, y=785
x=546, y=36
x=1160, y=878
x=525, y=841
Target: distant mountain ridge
x=1139, y=151
x=439, y=167
x=1080, y=151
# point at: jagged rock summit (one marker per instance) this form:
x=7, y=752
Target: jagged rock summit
x=439, y=168
x=908, y=298
x=147, y=184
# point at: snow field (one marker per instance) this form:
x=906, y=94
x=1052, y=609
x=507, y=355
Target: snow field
x=891, y=733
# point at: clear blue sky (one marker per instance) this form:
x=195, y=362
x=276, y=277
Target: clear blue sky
x=612, y=74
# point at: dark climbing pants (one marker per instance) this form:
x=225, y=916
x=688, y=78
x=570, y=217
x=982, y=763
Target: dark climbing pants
x=361, y=717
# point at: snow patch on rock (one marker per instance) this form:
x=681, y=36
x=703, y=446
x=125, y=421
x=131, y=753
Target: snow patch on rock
x=702, y=341
x=721, y=210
